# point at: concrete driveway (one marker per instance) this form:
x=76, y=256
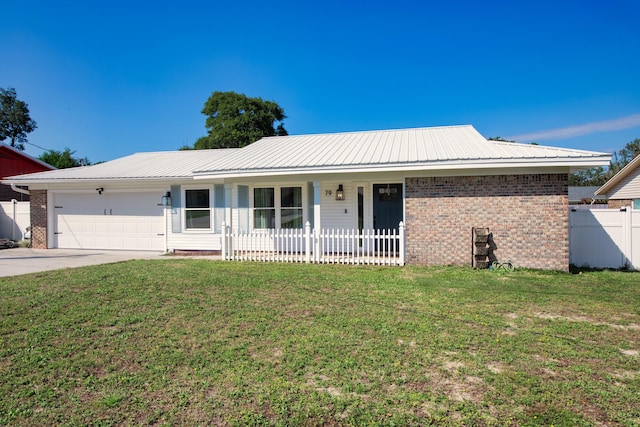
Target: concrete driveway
x=16, y=261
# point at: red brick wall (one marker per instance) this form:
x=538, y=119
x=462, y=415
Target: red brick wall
x=619, y=203
x=527, y=214
x=39, y=219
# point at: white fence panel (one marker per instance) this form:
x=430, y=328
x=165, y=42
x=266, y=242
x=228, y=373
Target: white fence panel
x=284, y=245
x=604, y=238
x=334, y=246
x=635, y=239
x=14, y=219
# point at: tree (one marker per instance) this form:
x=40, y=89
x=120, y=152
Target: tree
x=600, y=175
x=499, y=138
x=15, y=122
x=624, y=156
x=63, y=159
x=235, y=120
x=590, y=177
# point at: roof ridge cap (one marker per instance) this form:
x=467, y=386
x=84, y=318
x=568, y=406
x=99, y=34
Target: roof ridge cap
x=371, y=131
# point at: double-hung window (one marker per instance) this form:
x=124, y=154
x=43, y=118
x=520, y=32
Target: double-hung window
x=291, y=207
x=197, y=209
x=277, y=207
x=264, y=208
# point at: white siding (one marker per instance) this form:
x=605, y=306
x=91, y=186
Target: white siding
x=628, y=188
x=340, y=214
x=335, y=214
x=197, y=241
x=192, y=240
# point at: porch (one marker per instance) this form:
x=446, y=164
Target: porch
x=320, y=246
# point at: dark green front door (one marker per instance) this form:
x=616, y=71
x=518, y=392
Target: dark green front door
x=387, y=206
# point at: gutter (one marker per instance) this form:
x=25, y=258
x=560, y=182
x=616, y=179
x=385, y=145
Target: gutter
x=19, y=190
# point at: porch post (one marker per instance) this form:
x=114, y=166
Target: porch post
x=316, y=204
x=228, y=197
x=317, y=223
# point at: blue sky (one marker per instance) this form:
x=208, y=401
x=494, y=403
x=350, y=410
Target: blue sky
x=110, y=78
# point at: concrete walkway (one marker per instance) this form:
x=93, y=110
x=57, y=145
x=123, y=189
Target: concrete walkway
x=14, y=262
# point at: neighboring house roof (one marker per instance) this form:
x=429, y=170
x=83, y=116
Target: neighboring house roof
x=450, y=147
x=578, y=194
x=624, y=175
x=14, y=161
x=140, y=166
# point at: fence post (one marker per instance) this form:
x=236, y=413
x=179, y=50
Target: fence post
x=627, y=232
x=634, y=244
x=401, y=248
x=316, y=244
x=307, y=242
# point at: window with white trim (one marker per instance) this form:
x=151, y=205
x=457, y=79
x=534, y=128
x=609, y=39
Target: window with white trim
x=264, y=208
x=197, y=209
x=636, y=203
x=278, y=207
x=291, y=207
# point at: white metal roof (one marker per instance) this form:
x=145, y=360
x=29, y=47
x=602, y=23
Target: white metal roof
x=450, y=147
x=403, y=149
x=145, y=166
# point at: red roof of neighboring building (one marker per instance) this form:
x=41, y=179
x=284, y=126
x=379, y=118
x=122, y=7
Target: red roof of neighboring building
x=15, y=162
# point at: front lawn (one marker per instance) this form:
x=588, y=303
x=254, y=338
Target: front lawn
x=196, y=342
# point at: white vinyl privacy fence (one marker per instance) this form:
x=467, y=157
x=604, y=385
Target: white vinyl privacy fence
x=605, y=238
x=14, y=219
x=324, y=246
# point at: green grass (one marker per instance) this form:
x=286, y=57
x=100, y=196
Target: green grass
x=195, y=342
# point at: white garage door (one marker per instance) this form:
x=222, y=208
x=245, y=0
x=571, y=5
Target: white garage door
x=129, y=221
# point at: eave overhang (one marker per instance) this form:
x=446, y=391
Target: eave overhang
x=31, y=181
x=572, y=164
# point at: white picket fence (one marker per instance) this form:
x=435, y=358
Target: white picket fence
x=14, y=219
x=605, y=238
x=325, y=246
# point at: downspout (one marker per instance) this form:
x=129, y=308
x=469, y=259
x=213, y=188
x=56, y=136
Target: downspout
x=19, y=190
